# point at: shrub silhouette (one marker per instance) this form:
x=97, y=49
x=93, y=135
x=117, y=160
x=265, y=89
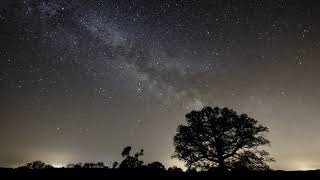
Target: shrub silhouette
x=37, y=165
x=71, y=165
x=94, y=165
x=175, y=169
x=87, y=165
x=156, y=165
x=100, y=165
x=215, y=137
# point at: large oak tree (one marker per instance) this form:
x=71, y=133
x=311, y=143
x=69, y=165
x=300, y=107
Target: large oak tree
x=216, y=137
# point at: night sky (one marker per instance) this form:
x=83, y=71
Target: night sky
x=80, y=80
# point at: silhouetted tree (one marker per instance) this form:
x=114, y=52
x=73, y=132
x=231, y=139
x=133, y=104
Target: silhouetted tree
x=115, y=165
x=37, y=165
x=156, y=165
x=220, y=138
x=131, y=161
x=78, y=165
x=86, y=165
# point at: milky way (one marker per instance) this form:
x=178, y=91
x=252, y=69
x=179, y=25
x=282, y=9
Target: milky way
x=80, y=80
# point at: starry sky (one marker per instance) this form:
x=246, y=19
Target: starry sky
x=80, y=80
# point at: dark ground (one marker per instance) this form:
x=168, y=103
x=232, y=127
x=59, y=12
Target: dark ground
x=65, y=173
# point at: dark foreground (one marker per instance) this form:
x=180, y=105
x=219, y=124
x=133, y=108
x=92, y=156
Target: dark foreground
x=154, y=174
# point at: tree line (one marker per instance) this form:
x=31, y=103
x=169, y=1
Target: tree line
x=211, y=139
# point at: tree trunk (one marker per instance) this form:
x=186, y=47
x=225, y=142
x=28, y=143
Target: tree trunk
x=222, y=166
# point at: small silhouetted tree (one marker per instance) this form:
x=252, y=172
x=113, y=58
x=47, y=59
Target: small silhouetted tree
x=221, y=138
x=131, y=161
x=156, y=165
x=78, y=165
x=115, y=165
x=71, y=165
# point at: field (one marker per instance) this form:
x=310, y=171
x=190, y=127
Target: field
x=6, y=173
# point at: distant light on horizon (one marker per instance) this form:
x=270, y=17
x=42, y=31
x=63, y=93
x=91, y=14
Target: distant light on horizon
x=58, y=165
x=305, y=165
